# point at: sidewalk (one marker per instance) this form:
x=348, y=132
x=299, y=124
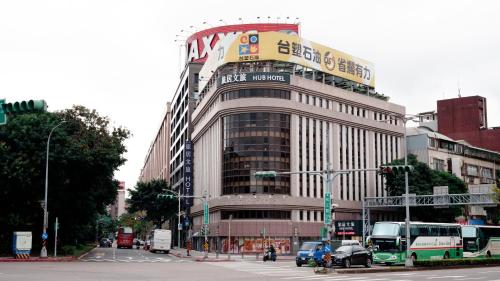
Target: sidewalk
x=38, y=259
x=212, y=256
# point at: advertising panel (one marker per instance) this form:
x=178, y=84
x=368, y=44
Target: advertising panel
x=250, y=245
x=288, y=48
x=188, y=174
x=201, y=43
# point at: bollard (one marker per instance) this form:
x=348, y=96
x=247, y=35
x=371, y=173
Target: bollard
x=257, y=256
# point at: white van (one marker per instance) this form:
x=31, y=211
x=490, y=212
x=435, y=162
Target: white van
x=161, y=240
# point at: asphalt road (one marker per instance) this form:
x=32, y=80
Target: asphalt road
x=110, y=264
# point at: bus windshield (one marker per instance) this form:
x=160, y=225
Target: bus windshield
x=385, y=229
x=469, y=232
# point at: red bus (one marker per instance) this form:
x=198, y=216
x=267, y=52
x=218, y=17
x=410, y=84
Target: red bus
x=125, y=237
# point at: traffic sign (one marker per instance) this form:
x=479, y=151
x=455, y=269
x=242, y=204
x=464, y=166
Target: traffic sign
x=179, y=226
x=328, y=208
x=45, y=236
x=3, y=117
x=205, y=213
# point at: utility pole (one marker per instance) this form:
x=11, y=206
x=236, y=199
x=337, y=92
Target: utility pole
x=229, y=238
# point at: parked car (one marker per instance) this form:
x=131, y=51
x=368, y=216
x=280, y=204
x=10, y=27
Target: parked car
x=105, y=243
x=352, y=255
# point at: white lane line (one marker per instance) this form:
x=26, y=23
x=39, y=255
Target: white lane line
x=446, y=277
x=298, y=277
x=471, y=278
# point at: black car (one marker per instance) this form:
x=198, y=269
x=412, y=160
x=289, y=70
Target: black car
x=105, y=242
x=352, y=255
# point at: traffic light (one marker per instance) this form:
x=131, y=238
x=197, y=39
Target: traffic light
x=397, y=169
x=23, y=107
x=265, y=174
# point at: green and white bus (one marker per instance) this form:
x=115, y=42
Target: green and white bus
x=481, y=241
x=428, y=241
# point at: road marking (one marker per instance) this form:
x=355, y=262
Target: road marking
x=447, y=277
x=471, y=278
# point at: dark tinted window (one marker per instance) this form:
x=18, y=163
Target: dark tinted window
x=256, y=93
x=254, y=142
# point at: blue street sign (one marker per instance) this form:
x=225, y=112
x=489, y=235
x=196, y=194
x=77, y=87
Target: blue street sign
x=45, y=236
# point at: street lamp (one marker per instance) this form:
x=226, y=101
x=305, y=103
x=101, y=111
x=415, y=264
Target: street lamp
x=405, y=119
x=43, y=252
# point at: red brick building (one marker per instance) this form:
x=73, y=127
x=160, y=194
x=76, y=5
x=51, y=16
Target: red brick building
x=465, y=118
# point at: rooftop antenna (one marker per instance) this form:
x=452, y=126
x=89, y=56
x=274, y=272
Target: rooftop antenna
x=458, y=86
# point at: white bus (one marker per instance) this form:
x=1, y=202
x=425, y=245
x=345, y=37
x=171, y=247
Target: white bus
x=481, y=241
x=428, y=241
x=161, y=240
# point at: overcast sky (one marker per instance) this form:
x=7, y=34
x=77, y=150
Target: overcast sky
x=119, y=57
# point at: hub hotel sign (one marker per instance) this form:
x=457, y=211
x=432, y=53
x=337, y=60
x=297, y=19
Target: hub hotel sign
x=201, y=43
x=278, y=77
x=264, y=46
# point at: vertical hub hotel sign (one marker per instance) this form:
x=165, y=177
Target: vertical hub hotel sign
x=188, y=174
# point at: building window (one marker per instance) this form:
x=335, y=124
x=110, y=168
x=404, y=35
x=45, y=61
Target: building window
x=256, y=142
x=438, y=164
x=472, y=170
x=256, y=214
x=256, y=93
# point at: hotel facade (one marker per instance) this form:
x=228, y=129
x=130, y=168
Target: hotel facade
x=271, y=101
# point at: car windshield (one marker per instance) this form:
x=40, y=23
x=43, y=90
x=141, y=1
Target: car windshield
x=385, y=229
x=344, y=249
x=308, y=246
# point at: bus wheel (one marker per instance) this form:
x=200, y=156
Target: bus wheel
x=413, y=257
x=488, y=254
x=446, y=256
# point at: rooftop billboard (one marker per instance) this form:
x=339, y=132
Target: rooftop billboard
x=201, y=43
x=262, y=46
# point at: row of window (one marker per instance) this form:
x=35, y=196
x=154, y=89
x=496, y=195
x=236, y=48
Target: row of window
x=242, y=152
x=256, y=93
x=256, y=214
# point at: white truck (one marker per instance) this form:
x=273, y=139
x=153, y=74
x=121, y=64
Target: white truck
x=161, y=240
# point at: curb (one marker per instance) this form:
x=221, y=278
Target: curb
x=86, y=253
x=213, y=260
x=37, y=259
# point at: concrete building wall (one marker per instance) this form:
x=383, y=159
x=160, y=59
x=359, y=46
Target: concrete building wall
x=321, y=117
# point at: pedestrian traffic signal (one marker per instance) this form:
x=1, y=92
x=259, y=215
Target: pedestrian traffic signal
x=265, y=174
x=23, y=107
x=397, y=169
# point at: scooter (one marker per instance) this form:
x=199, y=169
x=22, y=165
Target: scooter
x=269, y=256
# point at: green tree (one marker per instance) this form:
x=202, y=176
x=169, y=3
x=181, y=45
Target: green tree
x=421, y=181
x=145, y=198
x=84, y=153
x=106, y=226
x=138, y=222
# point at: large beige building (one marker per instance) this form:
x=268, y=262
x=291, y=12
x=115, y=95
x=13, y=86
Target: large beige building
x=282, y=116
x=156, y=164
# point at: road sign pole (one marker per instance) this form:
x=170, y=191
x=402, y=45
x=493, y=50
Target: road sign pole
x=56, y=227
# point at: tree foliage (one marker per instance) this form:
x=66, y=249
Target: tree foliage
x=137, y=221
x=421, y=181
x=84, y=153
x=145, y=198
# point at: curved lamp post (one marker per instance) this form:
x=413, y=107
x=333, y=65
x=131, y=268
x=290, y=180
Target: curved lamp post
x=43, y=252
